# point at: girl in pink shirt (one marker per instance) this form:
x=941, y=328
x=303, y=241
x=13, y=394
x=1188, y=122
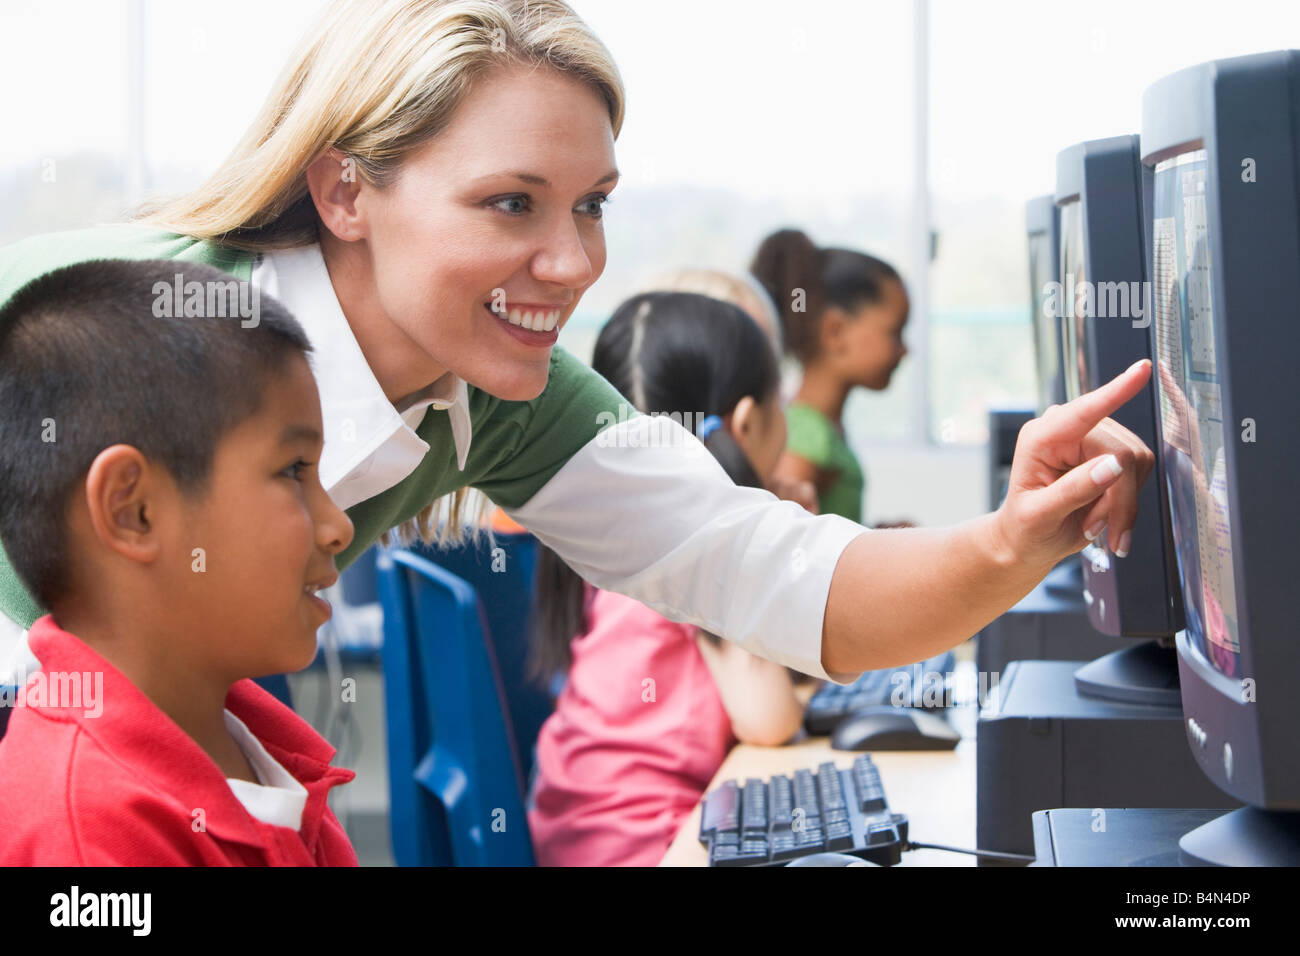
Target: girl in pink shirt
x=651, y=707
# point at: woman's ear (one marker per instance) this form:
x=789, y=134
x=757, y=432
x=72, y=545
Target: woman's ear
x=334, y=184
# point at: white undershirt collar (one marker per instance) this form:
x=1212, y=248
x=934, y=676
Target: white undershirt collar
x=278, y=799
x=370, y=445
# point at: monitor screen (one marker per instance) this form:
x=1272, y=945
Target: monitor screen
x=1046, y=328
x=1074, y=270
x=1191, y=409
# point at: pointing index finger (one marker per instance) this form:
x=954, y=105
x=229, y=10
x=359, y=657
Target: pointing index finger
x=1082, y=415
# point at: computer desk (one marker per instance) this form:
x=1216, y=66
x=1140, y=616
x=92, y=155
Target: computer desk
x=936, y=789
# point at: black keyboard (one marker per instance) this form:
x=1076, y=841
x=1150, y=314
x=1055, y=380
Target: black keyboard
x=925, y=685
x=770, y=822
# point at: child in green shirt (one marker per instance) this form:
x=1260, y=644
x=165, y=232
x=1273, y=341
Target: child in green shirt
x=843, y=314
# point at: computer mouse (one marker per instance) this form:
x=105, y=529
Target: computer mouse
x=894, y=728
x=830, y=859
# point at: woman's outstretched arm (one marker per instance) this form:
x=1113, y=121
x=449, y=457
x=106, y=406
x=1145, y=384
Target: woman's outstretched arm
x=924, y=590
x=636, y=504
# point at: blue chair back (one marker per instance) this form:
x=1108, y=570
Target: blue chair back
x=504, y=581
x=456, y=792
x=277, y=685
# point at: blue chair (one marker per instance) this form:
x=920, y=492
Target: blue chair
x=456, y=793
x=277, y=685
x=505, y=584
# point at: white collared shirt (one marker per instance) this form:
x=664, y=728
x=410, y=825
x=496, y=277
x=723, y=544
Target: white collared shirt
x=278, y=798
x=370, y=445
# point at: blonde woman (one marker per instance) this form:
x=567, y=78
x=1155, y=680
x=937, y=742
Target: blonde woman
x=423, y=190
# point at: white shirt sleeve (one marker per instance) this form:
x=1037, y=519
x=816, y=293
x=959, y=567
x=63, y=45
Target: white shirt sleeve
x=645, y=510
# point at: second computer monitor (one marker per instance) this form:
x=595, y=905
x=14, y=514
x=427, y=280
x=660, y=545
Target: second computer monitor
x=1043, y=233
x=1104, y=329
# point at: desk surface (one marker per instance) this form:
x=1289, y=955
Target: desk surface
x=936, y=789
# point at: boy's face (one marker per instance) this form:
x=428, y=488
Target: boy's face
x=268, y=532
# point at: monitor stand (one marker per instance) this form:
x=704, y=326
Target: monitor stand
x=1066, y=579
x=1145, y=673
x=1245, y=837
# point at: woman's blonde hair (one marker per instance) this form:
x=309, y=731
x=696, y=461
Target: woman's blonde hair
x=375, y=79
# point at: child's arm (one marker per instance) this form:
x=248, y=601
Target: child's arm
x=758, y=695
x=793, y=469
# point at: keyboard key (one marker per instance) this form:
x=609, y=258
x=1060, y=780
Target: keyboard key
x=754, y=805
x=810, y=837
x=721, y=809
x=871, y=800
x=839, y=836
x=830, y=787
x=878, y=833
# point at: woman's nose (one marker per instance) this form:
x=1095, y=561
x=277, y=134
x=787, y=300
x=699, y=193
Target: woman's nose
x=564, y=260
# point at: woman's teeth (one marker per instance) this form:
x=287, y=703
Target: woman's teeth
x=535, y=321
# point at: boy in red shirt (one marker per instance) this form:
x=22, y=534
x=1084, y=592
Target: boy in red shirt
x=159, y=496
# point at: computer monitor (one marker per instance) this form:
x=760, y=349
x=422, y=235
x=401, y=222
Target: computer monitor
x=1042, y=230
x=1100, y=199
x=1043, y=233
x=1221, y=142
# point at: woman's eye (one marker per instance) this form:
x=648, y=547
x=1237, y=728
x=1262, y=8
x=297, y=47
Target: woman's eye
x=293, y=471
x=594, y=206
x=514, y=205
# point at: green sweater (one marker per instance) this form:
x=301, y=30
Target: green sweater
x=814, y=437
x=517, y=446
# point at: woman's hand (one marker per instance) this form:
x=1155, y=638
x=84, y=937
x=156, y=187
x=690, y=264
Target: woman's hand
x=905, y=595
x=1075, y=472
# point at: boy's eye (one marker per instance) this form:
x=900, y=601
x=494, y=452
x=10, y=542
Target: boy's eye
x=293, y=471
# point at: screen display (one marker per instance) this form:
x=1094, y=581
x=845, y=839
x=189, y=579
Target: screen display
x=1074, y=278
x=1046, y=325
x=1191, y=409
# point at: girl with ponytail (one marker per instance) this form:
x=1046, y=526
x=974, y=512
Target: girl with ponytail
x=651, y=707
x=843, y=314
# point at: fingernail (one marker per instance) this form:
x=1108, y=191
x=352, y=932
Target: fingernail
x=1093, y=533
x=1106, y=470
x=1121, y=549
x=1137, y=364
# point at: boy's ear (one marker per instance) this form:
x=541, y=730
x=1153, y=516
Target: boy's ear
x=122, y=503
x=334, y=183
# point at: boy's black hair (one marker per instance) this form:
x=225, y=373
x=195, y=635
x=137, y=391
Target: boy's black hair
x=667, y=353
x=93, y=355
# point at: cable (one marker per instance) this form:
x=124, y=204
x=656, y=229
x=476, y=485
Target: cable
x=983, y=854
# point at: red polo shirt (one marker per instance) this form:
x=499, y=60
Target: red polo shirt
x=129, y=787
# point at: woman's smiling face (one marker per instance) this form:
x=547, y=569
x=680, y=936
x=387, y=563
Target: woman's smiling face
x=498, y=217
